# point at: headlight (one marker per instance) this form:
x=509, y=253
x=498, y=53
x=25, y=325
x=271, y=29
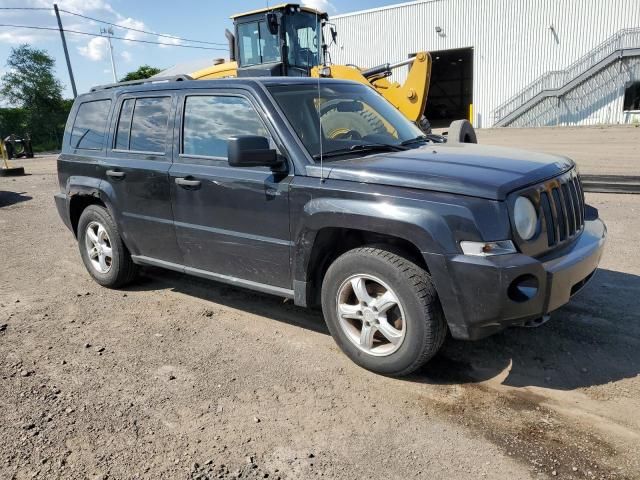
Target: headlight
x=525, y=218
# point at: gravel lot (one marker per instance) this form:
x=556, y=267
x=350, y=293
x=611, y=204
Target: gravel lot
x=177, y=377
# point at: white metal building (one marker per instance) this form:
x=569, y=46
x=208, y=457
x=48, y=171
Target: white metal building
x=517, y=62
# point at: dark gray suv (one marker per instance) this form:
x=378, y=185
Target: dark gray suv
x=324, y=193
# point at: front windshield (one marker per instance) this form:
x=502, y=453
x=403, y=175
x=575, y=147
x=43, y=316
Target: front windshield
x=302, y=30
x=351, y=115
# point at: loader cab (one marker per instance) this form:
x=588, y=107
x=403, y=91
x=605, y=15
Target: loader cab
x=285, y=40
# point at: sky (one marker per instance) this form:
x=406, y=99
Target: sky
x=192, y=19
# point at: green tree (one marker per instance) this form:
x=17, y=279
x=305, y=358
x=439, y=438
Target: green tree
x=145, y=71
x=31, y=86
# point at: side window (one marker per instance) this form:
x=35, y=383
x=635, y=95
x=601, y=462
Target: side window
x=124, y=124
x=248, y=43
x=257, y=45
x=142, y=125
x=210, y=120
x=90, y=124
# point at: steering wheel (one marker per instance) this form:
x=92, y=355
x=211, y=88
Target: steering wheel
x=348, y=135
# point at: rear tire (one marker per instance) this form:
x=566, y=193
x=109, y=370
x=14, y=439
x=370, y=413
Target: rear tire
x=461, y=131
x=418, y=327
x=105, y=257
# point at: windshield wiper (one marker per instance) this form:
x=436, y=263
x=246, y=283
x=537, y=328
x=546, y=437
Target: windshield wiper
x=364, y=147
x=419, y=138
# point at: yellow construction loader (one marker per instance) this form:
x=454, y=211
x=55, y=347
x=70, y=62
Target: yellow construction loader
x=288, y=40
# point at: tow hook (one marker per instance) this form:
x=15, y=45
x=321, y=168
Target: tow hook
x=536, y=322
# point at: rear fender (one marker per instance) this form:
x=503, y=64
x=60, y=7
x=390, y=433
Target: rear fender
x=93, y=187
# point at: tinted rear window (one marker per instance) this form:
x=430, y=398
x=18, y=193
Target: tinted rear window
x=142, y=125
x=89, y=125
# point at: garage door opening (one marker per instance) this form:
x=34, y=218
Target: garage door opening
x=451, y=88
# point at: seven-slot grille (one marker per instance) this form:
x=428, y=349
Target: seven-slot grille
x=562, y=208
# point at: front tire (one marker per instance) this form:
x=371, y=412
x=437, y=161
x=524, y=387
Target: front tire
x=104, y=255
x=383, y=311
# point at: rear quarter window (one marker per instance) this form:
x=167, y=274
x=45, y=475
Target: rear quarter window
x=143, y=123
x=90, y=124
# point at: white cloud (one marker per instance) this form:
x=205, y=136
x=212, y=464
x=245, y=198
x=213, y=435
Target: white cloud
x=320, y=5
x=168, y=41
x=76, y=6
x=97, y=8
x=130, y=23
x=126, y=56
x=96, y=49
x=18, y=37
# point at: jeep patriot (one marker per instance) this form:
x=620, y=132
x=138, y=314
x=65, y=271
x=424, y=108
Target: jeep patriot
x=322, y=192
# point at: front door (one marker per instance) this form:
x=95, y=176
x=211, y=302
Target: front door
x=136, y=171
x=229, y=221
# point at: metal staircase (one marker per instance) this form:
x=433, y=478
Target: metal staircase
x=556, y=83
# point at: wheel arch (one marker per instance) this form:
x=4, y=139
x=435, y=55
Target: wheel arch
x=332, y=242
x=327, y=232
x=85, y=191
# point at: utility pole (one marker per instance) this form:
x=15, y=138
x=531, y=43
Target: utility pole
x=107, y=32
x=66, y=52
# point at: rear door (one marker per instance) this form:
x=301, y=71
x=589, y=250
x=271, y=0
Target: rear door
x=229, y=221
x=136, y=172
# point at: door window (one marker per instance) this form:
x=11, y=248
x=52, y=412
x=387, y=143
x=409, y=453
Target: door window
x=89, y=126
x=209, y=121
x=257, y=44
x=143, y=124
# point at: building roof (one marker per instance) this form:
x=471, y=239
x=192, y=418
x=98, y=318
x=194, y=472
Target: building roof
x=278, y=7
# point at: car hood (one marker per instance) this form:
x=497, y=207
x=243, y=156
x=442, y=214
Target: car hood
x=468, y=169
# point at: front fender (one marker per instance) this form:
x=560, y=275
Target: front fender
x=431, y=226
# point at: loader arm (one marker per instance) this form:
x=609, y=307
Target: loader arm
x=410, y=97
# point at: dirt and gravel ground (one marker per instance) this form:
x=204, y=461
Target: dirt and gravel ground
x=177, y=377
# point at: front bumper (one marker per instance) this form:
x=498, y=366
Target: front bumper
x=475, y=291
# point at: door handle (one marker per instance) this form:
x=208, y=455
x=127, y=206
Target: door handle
x=115, y=174
x=185, y=182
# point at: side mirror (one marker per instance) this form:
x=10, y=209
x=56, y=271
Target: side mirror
x=272, y=23
x=251, y=151
x=334, y=34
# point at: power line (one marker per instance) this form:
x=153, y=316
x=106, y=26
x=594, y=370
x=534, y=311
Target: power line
x=117, y=38
x=25, y=8
x=118, y=26
x=141, y=31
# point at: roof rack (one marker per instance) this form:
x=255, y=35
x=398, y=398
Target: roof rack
x=175, y=78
